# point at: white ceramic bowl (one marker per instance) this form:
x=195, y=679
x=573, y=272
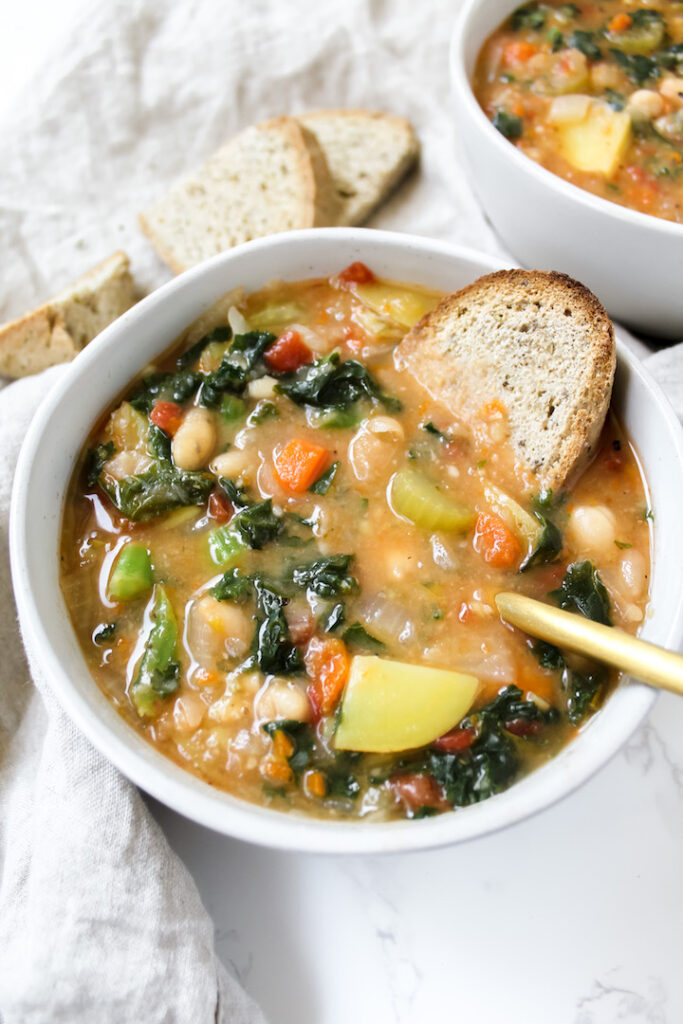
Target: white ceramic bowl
x=105, y=368
x=632, y=261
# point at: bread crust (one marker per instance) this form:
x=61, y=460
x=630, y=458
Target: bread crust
x=538, y=342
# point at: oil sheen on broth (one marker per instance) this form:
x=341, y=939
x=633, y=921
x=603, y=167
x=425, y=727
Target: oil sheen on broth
x=273, y=509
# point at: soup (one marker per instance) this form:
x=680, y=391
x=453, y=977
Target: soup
x=280, y=557
x=594, y=93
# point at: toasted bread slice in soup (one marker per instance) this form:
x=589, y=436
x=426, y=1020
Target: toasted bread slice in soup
x=368, y=154
x=271, y=177
x=59, y=329
x=536, y=345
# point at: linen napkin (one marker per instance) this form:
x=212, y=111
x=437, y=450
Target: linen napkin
x=99, y=921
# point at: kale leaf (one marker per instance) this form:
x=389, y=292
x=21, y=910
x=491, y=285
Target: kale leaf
x=585, y=43
x=258, y=524
x=192, y=354
x=104, y=631
x=96, y=459
x=530, y=16
x=173, y=387
x=232, y=586
x=334, y=619
x=328, y=383
x=508, y=125
x=638, y=67
x=326, y=577
x=159, y=443
x=583, y=591
x=301, y=737
x=158, y=489
x=324, y=482
x=237, y=365
x=548, y=547
x=272, y=647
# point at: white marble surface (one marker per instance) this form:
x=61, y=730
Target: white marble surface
x=573, y=917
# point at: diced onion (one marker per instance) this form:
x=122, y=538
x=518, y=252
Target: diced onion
x=238, y=323
x=385, y=619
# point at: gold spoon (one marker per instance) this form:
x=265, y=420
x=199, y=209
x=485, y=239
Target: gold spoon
x=651, y=664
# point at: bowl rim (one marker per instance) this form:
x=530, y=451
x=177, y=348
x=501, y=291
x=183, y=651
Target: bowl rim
x=196, y=799
x=462, y=86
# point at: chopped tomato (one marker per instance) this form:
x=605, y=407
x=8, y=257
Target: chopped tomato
x=620, y=22
x=327, y=662
x=299, y=464
x=644, y=189
x=220, y=507
x=455, y=741
x=416, y=790
x=355, y=273
x=167, y=416
x=518, y=52
x=287, y=353
x=497, y=544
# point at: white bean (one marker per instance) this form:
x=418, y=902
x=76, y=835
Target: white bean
x=593, y=529
x=230, y=624
x=634, y=572
x=385, y=427
x=233, y=464
x=188, y=712
x=262, y=387
x=672, y=89
x=644, y=104
x=195, y=440
x=282, y=699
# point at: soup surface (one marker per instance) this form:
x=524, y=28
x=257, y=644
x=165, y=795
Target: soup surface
x=594, y=93
x=280, y=557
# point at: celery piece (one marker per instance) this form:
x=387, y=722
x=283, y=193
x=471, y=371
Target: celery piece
x=418, y=499
x=157, y=675
x=132, y=573
x=274, y=314
x=226, y=546
x=404, y=306
x=333, y=419
x=232, y=408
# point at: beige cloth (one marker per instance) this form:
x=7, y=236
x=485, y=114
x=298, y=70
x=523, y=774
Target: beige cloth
x=99, y=921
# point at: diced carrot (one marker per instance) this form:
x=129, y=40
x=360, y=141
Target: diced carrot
x=206, y=677
x=518, y=52
x=220, y=507
x=298, y=464
x=167, y=416
x=287, y=353
x=315, y=784
x=465, y=613
x=497, y=544
x=355, y=273
x=282, y=745
x=620, y=22
x=276, y=771
x=327, y=663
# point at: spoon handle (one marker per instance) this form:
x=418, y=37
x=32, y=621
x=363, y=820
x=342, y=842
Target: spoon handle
x=651, y=664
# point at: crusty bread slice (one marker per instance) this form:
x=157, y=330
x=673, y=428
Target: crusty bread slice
x=271, y=177
x=368, y=153
x=58, y=329
x=538, y=343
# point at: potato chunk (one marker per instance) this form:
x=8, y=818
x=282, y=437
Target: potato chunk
x=597, y=142
x=389, y=705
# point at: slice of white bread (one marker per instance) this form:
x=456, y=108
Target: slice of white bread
x=368, y=153
x=56, y=331
x=271, y=177
x=538, y=343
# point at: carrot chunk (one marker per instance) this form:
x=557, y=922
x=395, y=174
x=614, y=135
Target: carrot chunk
x=298, y=464
x=167, y=416
x=518, y=52
x=328, y=664
x=497, y=544
x=620, y=22
x=287, y=353
x=355, y=273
